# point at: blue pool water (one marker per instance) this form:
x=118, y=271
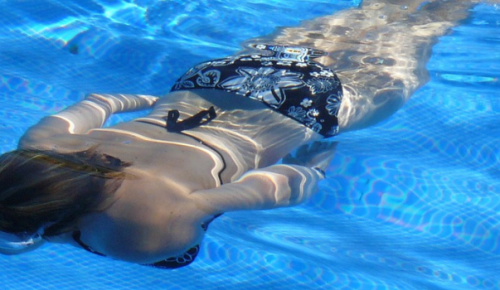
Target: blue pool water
x=412, y=203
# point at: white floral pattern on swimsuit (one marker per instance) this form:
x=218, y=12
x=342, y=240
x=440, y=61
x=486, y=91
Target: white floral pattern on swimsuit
x=333, y=104
x=265, y=84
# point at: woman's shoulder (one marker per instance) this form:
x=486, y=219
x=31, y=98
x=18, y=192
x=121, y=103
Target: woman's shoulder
x=63, y=142
x=150, y=220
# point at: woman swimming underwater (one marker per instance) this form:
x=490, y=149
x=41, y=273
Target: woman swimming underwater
x=145, y=191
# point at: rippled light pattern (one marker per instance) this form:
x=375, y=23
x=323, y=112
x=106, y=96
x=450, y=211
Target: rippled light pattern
x=413, y=203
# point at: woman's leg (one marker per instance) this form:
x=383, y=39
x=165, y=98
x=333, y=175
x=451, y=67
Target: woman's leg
x=379, y=51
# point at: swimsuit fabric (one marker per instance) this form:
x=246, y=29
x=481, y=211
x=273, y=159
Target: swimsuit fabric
x=287, y=81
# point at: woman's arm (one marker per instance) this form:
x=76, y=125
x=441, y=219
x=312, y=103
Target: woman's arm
x=90, y=113
x=275, y=186
x=271, y=187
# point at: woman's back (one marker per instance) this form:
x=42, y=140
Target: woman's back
x=155, y=213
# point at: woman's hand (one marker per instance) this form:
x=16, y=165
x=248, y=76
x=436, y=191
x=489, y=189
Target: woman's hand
x=317, y=155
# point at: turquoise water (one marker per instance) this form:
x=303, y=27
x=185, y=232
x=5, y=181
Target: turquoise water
x=412, y=203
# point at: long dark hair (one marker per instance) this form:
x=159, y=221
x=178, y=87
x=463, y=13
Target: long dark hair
x=48, y=189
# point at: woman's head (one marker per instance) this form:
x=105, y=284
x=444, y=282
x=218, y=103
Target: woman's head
x=46, y=193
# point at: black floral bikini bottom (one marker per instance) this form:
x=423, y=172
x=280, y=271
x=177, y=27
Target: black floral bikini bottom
x=286, y=80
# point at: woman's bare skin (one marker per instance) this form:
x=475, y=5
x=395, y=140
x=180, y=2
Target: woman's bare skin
x=177, y=182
